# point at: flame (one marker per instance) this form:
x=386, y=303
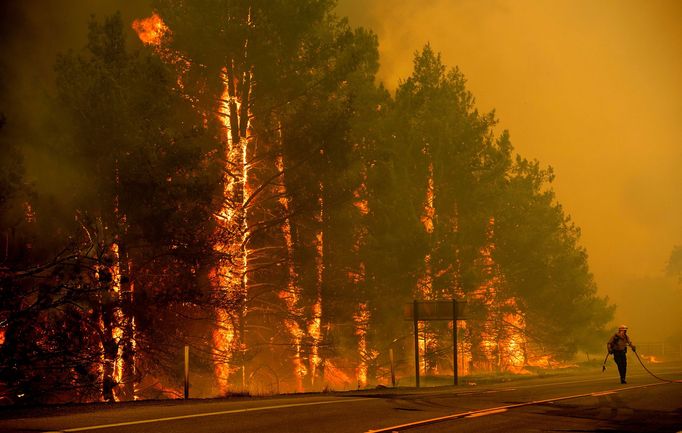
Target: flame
x=652, y=359
x=361, y=321
x=429, y=209
x=291, y=295
x=232, y=217
x=503, y=340
x=151, y=30
x=427, y=340
x=29, y=213
x=360, y=195
x=335, y=376
x=315, y=322
x=118, y=314
x=223, y=338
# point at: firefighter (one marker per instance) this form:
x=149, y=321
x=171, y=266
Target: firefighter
x=618, y=346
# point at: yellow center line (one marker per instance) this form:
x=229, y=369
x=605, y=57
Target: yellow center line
x=495, y=410
x=486, y=412
x=597, y=394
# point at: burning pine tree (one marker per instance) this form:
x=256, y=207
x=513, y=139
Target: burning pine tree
x=246, y=189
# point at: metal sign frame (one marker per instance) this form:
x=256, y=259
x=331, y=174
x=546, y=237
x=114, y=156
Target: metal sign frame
x=426, y=311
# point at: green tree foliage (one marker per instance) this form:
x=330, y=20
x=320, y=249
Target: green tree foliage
x=344, y=202
x=543, y=265
x=142, y=202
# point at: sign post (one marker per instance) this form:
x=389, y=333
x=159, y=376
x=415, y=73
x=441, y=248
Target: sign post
x=454, y=343
x=415, y=317
x=186, y=372
x=435, y=310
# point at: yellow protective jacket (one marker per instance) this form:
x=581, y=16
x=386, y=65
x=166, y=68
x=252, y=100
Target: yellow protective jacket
x=618, y=343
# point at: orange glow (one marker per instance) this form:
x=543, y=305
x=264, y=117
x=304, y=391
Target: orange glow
x=291, y=295
x=336, y=378
x=232, y=217
x=504, y=343
x=29, y=213
x=360, y=195
x=150, y=30
x=314, y=330
x=118, y=314
x=223, y=337
x=425, y=282
x=429, y=209
x=315, y=322
x=361, y=321
x=427, y=339
x=652, y=359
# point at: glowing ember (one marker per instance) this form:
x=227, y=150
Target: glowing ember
x=29, y=213
x=360, y=195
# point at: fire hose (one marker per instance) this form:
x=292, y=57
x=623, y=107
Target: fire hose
x=648, y=371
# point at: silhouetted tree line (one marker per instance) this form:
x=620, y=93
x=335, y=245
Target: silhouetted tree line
x=352, y=198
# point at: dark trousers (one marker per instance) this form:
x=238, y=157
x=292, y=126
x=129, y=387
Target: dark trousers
x=621, y=362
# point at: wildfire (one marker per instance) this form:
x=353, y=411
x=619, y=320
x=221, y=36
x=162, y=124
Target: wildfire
x=361, y=320
x=292, y=294
x=151, y=30
x=503, y=341
x=315, y=322
x=118, y=314
x=429, y=209
x=360, y=195
x=222, y=340
x=29, y=213
x=228, y=277
x=232, y=216
x=652, y=359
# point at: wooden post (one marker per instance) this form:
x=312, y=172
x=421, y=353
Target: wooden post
x=454, y=342
x=416, y=343
x=186, y=372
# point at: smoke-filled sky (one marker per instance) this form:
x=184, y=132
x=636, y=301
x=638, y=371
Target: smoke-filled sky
x=592, y=88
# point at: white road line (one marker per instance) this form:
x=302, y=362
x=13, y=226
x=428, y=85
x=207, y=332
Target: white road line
x=498, y=409
x=199, y=415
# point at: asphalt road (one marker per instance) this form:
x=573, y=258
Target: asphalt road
x=588, y=402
